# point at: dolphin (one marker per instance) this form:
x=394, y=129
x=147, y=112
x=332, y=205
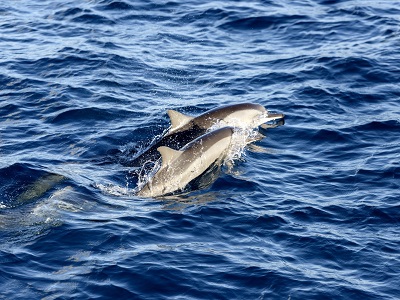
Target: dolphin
x=185, y=128
x=38, y=188
x=180, y=167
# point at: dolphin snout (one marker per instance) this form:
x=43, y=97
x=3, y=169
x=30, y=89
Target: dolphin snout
x=278, y=120
x=275, y=116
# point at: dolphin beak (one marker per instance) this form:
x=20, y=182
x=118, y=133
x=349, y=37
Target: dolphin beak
x=273, y=117
x=279, y=119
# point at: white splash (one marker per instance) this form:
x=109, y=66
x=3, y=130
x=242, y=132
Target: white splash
x=241, y=137
x=147, y=172
x=114, y=190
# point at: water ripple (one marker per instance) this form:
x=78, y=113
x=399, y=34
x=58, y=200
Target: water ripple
x=309, y=212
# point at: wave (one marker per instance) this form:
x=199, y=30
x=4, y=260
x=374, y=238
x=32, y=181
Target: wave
x=309, y=212
x=262, y=22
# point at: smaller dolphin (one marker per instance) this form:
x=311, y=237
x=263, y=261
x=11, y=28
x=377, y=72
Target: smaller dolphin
x=180, y=167
x=185, y=129
x=38, y=188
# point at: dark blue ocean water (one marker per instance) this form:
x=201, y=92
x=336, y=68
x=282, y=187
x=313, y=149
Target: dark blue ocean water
x=310, y=212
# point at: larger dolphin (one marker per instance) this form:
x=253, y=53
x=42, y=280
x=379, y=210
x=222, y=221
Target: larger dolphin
x=186, y=128
x=180, y=167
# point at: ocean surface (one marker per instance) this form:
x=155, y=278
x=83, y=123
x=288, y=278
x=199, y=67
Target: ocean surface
x=312, y=211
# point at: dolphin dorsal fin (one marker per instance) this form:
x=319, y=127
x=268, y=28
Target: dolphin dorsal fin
x=178, y=119
x=168, y=154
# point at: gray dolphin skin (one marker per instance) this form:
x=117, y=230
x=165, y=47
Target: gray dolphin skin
x=39, y=188
x=180, y=167
x=244, y=115
x=186, y=128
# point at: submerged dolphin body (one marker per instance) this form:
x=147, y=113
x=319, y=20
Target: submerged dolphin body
x=180, y=167
x=185, y=129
